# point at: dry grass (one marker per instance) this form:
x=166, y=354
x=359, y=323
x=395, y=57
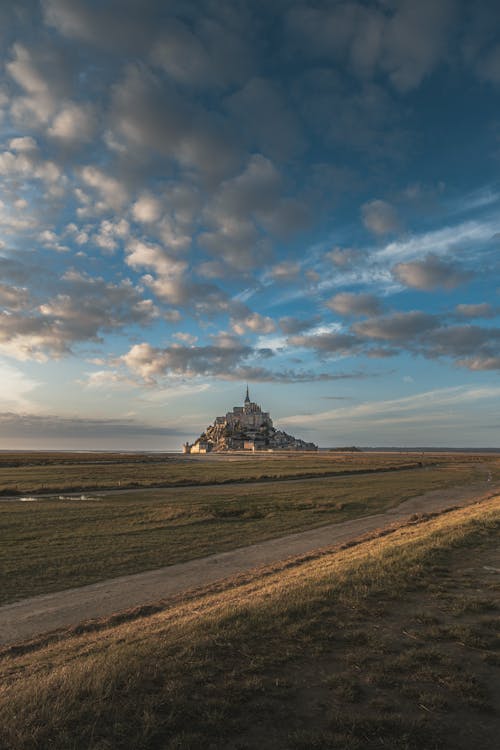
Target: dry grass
x=54, y=544
x=334, y=651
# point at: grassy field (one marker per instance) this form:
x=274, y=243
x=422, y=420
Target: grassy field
x=392, y=643
x=31, y=473
x=53, y=544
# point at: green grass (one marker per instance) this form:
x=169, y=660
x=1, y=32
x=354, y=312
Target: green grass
x=32, y=473
x=332, y=652
x=53, y=544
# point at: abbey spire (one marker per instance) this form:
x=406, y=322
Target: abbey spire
x=247, y=397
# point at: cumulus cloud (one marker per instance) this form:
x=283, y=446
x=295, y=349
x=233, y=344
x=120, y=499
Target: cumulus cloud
x=254, y=322
x=285, y=271
x=151, y=115
x=399, y=327
x=147, y=209
x=380, y=217
x=226, y=358
x=481, y=363
x=23, y=143
x=74, y=123
x=209, y=55
x=480, y=310
x=115, y=25
x=150, y=362
x=421, y=333
x=327, y=343
x=44, y=74
x=347, y=303
x=112, y=192
x=244, y=210
x=169, y=283
x=109, y=234
x=269, y=123
x=291, y=326
x=27, y=164
x=84, y=308
x=467, y=341
x=14, y=298
x=430, y=273
x=403, y=40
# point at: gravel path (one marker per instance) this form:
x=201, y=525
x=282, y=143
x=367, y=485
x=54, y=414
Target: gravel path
x=40, y=614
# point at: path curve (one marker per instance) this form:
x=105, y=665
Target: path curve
x=32, y=617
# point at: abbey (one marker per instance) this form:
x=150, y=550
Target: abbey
x=246, y=428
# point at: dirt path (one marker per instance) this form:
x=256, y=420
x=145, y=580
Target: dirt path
x=40, y=614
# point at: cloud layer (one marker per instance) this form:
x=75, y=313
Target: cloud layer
x=221, y=192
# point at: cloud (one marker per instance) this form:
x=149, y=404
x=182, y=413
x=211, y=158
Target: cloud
x=147, y=209
x=27, y=164
x=226, y=359
x=254, y=322
x=285, y=271
x=14, y=298
x=430, y=273
x=415, y=41
x=291, y=326
x=117, y=25
x=37, y=426
x=151, y=362
x=403, y=40
x=380, y=217
x=22, y=268
x=269, y=123
x=467, y=343
x=84, y=307
x=480, y=310
x=347, y=303
x=172, y=283
x=148, y=255
x=345, y=258
x=427, y=402
x=111, y=191
x=244, y=210
x=152, y=116
x=479, y=364
x=469, y=234
x=74, y=123
x=262, y=375
x=326, y=343
x=110, y=233
x=210, y=54
x=421, y=333
x=23, y=143
x=399, y=327
x=44, y=73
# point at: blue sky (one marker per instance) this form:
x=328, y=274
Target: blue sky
x=302, y=196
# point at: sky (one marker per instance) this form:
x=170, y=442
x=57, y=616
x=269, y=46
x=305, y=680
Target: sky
x=301, y=196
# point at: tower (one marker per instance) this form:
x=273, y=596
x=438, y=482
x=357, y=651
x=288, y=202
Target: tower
x=247, y=397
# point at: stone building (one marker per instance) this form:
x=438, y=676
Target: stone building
x=245, y=428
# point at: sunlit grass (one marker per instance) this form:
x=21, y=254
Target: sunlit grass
x=225, y=669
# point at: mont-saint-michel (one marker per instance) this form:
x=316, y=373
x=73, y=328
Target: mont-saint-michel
x=245, y=428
